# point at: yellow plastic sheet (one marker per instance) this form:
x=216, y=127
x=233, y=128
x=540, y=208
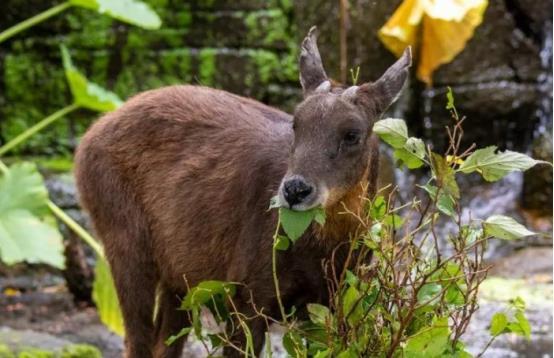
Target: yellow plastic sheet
x=438, y=29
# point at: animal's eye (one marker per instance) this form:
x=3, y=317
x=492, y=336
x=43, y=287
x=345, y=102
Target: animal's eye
x=351, y=138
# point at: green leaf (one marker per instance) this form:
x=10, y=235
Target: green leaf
x=323, y=354
x=85, y=93
x=523, y=324
x=393, y=221
x=27, y=230
x=378, y=208
x=352, y=305
x=133, y=12
x=445, y=202
x=183, y=332
x=495, y=165
x=295, y=223
x=393, y=131
x=282, y=243
x=428, y=294
x=217, y=341
x=319, y=314
x=444, y=175
x=375, y=232
x=202, y=293
x=292, y=342
x=504, y=227
x=429, y=342
x=471, y=234
x=407, y=158
x=416, y=147
x=499, y=321
x=105, y=298
x=518, y=303
x=449, y=99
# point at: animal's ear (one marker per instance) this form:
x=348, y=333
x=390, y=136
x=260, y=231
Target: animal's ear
x=312, y=75
x=386, y=89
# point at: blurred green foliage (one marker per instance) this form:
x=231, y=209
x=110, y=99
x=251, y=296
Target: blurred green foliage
x=248, y=49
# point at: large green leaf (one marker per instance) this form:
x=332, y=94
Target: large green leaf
x=429, y=293
x=393, y=131
x=85, y=93
x=319, y=314
x=105, y=298
x=499, y=321
x=407, y=158
x=295, y=223
x=445, y=202
x=204, y=292
x=504, y=227
x=429, y=342
x=27, y=232
x=495, y=165
x=131, y=11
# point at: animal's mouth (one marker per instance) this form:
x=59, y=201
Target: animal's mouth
x=305, y=200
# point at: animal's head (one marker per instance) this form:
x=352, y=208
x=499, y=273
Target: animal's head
x=332, y=129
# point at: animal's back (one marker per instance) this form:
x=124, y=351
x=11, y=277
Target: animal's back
x=181, y=174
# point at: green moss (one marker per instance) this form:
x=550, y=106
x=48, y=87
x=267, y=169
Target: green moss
x=271, y=67
x=57, y=164
x=207, y=66
x=35, y=353
x=80, y=351
x=34, y=89
x=268, y=26
x=5, y=352
x=267, y=64
x=34, y=84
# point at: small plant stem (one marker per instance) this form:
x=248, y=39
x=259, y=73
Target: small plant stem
x=67, y=220
x=274, y=270
x=24, y=25
x=37, y=127
x=78, y=229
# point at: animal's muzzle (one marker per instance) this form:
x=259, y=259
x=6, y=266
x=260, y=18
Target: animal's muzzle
x=296, y=190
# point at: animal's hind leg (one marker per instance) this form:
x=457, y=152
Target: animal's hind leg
x=135, y=278
x=169, y=321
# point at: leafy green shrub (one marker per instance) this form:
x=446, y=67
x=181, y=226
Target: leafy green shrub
x=404, y=289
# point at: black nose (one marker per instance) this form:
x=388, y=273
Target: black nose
x=296, y=190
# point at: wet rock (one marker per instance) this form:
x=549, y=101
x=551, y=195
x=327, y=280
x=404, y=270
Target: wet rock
x=18, y=340
x=497, y=113
x=537, y=188
x=62, y=190
x=364, y=48
x=509, y=345
x=528, y=263
x=497, y=81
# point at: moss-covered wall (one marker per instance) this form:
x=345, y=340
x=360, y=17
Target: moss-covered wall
x=250, y=47
x=247, y=47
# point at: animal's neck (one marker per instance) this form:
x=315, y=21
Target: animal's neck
x=343, y=218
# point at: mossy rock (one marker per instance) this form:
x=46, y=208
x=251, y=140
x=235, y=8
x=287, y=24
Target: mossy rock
x=35, y=353
x=5, y=352
x=80, y=351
